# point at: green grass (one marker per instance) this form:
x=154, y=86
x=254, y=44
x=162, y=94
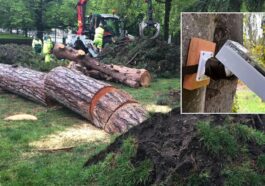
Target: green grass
x=249, y=102
x=117, y=169
x=12, y=36
x=242, y=174
x=229, y=142
x=247, y=134
x=218, y=140
x=21, y=164
x=261, y=162
x=158, y=88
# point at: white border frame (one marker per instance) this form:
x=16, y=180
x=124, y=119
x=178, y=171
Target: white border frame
x=181, y=64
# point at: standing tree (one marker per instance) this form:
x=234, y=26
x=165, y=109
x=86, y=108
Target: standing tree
x=219, y=95
x=168, y=6
x=21, y=17
x=202, y=26
x=60, y=14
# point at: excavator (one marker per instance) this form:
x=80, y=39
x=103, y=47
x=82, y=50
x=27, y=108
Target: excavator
x=112, y=26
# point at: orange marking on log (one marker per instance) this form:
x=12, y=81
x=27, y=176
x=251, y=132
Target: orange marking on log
x=102, y=92
x=122, y=105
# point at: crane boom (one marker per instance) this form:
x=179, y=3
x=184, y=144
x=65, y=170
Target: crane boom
x=81, y=11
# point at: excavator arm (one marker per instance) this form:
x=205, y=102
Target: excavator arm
x=81, y=11
x=149, y=23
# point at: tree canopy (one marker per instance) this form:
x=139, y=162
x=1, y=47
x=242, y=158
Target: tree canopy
x=45, y=14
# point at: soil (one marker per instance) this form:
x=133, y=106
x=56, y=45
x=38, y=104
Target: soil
x=172, y=142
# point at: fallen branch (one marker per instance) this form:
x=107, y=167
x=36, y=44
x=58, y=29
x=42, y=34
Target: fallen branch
x=132, y=59
x=66, y=149
x=129, y=76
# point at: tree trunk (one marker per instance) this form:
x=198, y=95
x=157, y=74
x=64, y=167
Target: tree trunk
x=92, y=73
x=26, y=32
x=39, y=19
x=129, y=76
x=220, y=94
x=201, y=26
x=105, y=106
x=24, y=82
x=167, y=18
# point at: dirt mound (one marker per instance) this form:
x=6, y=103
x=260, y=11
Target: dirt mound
x=183, y=153
x=156, y=56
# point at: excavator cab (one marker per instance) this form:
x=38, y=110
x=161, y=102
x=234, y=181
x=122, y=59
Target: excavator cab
x=111, y=25
x=87, y=25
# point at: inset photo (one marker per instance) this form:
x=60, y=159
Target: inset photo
x=223, y=62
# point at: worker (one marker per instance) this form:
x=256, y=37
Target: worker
x=47, y=48
x=37, y=45
x=98, y=38
x=79, y=45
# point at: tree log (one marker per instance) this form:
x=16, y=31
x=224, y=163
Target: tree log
x=220, y=94
x=129, y=76
x=24, y=82
x=105, y=106
x=92, y=73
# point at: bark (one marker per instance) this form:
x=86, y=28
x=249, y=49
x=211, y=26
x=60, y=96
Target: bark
x=167, y=18
x=220, y=94
x=168, y=5
x=39, y=18
x=24, y=82
x=201, y=26
x=105, y=106
x=129, y=76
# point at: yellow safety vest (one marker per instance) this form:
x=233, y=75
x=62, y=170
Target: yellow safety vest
x=36, y=42
x=47, y=46
x=99, y=33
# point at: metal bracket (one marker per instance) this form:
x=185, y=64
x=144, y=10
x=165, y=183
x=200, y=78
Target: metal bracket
x=204, y=56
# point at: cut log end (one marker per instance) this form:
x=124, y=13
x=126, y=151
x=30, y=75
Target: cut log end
x=145, y=79
x=61, y=46
x=126, y=117
x=81, y=53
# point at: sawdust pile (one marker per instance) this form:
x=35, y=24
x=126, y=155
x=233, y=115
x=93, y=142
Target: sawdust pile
x=71, y=137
